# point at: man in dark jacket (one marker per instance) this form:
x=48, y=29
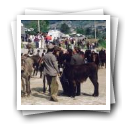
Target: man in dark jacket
x=76, y=59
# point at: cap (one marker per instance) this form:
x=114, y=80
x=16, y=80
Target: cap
x=50, y=46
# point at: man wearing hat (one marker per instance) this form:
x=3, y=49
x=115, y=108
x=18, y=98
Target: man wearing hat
x=76, y=59
x=51, y=71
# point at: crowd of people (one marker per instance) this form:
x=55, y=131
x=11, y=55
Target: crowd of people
x=54, y=61
x=41, y=40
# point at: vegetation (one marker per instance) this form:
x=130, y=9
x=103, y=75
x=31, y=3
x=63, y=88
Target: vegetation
x=80, y=30
x=65, y=28
x=34, y=24
x=22, y=46
x=102, y=43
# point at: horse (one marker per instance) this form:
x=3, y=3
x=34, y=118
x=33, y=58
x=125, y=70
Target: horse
x=79, y=73
x=26, y=71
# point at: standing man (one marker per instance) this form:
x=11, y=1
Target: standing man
x=42, y=41
x=76, y=59
x=36, y=40
x=43, y=53
x=38, y=53
x=67, y=44
x=51, y=71
x=39, y=37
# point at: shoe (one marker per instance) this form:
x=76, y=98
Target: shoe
x=78, y=94
x=95, y=95
x=53, y=98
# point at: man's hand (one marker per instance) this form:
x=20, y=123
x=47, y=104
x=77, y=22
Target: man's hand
x=59, y=75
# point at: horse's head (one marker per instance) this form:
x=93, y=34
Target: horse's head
x=22, y=65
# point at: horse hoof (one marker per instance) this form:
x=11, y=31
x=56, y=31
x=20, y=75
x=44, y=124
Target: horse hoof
x=95, y=95
x=78, y=94
x=29, y=94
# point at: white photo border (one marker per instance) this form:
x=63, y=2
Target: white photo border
x=63, y=107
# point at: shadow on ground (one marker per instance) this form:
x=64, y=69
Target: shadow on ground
x=38, y=89
x=85, y=94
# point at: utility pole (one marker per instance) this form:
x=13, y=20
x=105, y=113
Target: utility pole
x=38, y=26
x=95, y=28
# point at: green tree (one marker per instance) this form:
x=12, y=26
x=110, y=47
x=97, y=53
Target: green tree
x=44, y=25
x=65, y=28
x=87, y=31
x=34, y=24
x=80, y=30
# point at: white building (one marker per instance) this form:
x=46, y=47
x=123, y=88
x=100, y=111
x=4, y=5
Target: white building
x=55, y=34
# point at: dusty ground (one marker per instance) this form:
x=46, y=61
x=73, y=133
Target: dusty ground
x=38, y=98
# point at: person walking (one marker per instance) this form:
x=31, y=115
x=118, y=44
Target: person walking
x=50, y=72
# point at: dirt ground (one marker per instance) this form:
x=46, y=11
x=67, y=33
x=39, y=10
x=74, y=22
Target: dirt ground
x=38, y=98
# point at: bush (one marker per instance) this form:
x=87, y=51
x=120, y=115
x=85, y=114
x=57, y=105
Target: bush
x=102, y=43
x=22, y=46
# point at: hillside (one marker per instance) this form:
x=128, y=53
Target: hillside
x=72, y=23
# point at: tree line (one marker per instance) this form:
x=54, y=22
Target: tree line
x=44, y=27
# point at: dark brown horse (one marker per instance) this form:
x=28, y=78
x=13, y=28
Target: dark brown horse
x=80, y=73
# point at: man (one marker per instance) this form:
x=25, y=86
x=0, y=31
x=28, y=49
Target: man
x=43, y=53
x=102, y=56
x=46, y=40
x=51, y=71
x=36, y=40
x=76, y=59
x=38, y=53
x=30, y=52
x=72, y=44
x=42, y=40
x=67, y=44
x=54, y=41
x=39, y=38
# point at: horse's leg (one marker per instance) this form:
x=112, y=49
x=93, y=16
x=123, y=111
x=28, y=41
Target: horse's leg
x=40, y=74
x=34, y=71
x=96, y=85
x=23, y=85
x=29, y=90
x=78, y=85
x=27, y=85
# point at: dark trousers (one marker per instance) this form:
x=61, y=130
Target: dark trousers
x=67, y=46
x=65, y=84
x=74, y=89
